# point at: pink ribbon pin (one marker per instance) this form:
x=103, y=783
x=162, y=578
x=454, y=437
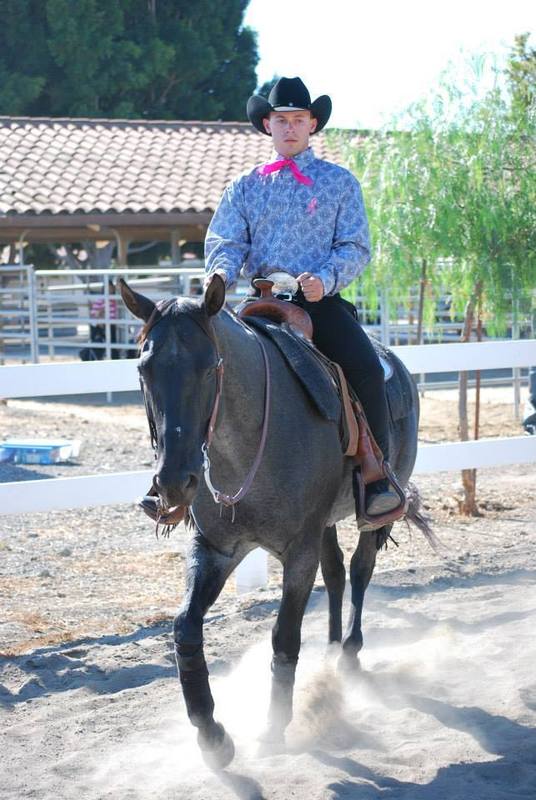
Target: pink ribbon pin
x=266, y=169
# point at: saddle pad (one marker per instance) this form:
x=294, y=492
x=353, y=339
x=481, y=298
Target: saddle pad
x=300, y=358
x=399, y=399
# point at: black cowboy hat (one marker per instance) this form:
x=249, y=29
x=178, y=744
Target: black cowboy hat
x=288, y=94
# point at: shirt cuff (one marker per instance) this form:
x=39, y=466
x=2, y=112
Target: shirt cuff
x=328, y=281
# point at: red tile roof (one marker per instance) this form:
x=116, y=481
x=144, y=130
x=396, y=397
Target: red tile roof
x=73, y=166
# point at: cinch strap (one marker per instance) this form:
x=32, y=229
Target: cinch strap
x=266, y=169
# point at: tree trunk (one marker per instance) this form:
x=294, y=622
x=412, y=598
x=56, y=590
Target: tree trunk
x=420, y=315
x=477, y=387
x=468, y=503
x=477, y=391
x=422, y=289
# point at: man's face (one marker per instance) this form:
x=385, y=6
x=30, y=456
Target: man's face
x=290, y=131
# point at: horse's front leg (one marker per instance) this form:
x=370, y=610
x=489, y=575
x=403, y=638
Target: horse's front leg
x=299, y=570
x=207, y=571
x=361, y=569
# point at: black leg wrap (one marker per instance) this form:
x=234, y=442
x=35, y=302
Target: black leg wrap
x=283, y=675
x=197, y=696
x=284, y=669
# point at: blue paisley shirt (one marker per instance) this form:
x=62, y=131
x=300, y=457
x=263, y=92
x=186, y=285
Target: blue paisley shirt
x=269, y=222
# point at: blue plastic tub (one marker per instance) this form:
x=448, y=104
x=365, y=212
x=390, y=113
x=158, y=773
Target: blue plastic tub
x=38, y=451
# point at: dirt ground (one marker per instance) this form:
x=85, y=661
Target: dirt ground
x=445, y=703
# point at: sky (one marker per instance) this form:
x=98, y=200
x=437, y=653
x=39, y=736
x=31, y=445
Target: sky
x=376, y=58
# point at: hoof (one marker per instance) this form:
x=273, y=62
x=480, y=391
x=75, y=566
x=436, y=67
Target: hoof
x=349, y=663
x=218, y=749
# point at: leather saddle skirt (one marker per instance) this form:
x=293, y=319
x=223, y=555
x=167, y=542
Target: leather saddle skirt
x=325, y=386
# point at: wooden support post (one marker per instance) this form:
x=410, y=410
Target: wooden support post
x=122, y=249
x=176, y=255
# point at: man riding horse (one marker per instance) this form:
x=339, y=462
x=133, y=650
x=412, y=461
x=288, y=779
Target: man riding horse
x=306, y=216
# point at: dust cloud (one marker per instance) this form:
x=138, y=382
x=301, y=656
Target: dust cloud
x=442, y=695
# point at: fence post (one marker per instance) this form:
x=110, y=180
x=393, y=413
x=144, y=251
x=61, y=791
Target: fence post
x=384, y=317
x=516, y=371
x=32, y=314
x=107, y=325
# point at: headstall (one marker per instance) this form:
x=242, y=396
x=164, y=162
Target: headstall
x=221, y=498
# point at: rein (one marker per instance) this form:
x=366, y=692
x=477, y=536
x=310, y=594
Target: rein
x=221, y=498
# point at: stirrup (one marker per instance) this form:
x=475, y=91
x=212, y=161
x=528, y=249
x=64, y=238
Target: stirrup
x=371, y=522
x=380, y=498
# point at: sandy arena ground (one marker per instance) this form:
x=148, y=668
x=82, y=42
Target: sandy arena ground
x=443, y=707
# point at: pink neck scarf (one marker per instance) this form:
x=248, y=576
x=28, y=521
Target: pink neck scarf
x=266, y=169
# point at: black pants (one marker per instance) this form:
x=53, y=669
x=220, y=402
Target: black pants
x=338, y=335
x=532, y=386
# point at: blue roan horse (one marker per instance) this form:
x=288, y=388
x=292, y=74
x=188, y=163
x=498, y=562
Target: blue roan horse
x=301, y=489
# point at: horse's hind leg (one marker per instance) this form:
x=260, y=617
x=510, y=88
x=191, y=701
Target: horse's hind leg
x=299, y=570
x=207, y=571
x=334, y=574
x=361, y=569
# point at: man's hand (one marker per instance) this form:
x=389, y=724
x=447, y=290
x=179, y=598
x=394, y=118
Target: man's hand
x=311, y=286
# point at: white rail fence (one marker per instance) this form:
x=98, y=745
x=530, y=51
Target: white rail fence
x=34, y=380
x=124, y=487
x=104, y=376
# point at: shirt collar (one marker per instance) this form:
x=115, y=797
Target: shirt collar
x=303, y=159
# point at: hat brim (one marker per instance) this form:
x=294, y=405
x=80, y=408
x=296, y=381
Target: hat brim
x=258, y=108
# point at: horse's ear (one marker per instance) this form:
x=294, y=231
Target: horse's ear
x=137, y=304
x=214, y=294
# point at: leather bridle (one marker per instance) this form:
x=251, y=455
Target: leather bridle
x=221, y=498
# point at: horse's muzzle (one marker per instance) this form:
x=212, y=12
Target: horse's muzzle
x=175, y=488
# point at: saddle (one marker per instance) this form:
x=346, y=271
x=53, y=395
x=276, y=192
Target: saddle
x=356, y=437
x=293, y=332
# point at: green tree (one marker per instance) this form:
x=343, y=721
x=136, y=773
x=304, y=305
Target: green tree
x=402, y=207
x=457, y=192
x=521, y=72
x=166, y=59
x=23, y=52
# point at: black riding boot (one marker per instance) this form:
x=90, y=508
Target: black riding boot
x=529, y=421
x=338, y=334
x=380, y=496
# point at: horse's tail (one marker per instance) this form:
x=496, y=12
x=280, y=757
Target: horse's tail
x=422, y=521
